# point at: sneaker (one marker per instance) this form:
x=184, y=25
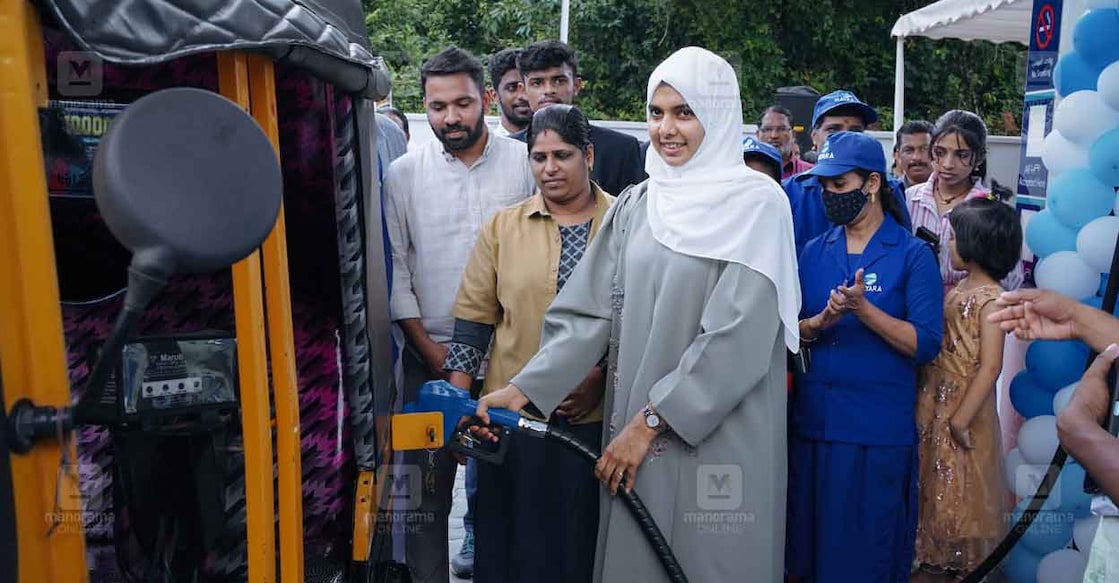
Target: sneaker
x=462, y=564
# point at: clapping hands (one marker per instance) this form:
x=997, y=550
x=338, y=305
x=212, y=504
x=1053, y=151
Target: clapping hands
x=844, y=299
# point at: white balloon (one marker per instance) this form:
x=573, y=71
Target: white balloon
x=1037, y=439
x=1066, y=273
x=1062, y=398
x=1083, y=116
x=1063, y=566
x=1059, y=154
x=1083, y=531
x=1095, y=243
x=1027, y=479
x=1108, y=84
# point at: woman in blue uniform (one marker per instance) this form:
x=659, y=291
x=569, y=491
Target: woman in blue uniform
x=871, y=314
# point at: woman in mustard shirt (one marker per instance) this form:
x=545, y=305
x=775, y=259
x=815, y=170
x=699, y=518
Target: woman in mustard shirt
x=522, y=259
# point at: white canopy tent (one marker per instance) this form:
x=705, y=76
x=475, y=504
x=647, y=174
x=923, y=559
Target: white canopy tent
x=991, y=20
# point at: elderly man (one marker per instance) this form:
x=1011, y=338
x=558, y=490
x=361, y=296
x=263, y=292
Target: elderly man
x=911, y=152
x=776, y=129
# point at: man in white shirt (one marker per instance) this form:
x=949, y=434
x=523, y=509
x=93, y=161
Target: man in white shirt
x=438, y=196
x=509, y=92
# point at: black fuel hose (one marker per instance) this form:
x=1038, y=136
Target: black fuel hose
x=636, y=507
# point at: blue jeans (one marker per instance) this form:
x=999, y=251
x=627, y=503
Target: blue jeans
x=471, y=494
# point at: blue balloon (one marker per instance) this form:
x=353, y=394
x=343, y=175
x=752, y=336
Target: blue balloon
x=1094, y=37
x=1077, y=197
x=1051, y=529
x=1046, y=235
x=1029, y=400
x=1056, y=363
x=1072, y=497
x=1073, y=74
x=1103, y=157
x=1020, y=565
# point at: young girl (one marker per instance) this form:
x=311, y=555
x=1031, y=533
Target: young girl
x=961, y=488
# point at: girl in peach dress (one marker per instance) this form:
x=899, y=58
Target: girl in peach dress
x=962, y=494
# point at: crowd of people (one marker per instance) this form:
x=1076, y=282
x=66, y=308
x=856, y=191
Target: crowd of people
x=652, y=299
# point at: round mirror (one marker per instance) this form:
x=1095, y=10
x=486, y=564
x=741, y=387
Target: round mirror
x=188, y=179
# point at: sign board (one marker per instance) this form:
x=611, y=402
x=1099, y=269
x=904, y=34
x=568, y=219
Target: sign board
x=1037, y=122
x=1045, y=40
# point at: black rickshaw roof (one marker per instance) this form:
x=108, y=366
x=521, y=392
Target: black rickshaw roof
x=326, y=37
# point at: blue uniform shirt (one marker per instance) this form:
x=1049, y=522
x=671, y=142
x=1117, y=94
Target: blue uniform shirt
x=807, y=201
x=860, y=389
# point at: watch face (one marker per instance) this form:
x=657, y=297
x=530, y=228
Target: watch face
x=652, y=420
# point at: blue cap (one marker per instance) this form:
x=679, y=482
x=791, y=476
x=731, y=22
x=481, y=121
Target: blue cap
x=842, y=98
x=847, y=151
x=753, y=146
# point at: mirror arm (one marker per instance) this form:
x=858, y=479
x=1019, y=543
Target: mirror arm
x=28, y=422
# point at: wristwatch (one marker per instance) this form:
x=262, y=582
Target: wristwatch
x=652, y=419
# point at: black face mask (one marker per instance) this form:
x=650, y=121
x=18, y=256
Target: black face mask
x=842, y=207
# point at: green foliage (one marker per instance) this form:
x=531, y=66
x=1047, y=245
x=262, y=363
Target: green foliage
x=826, y=44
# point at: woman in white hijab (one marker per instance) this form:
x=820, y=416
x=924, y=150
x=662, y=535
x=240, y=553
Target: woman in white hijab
x=692, y=284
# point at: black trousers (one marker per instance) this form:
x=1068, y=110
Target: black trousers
x=536, y=515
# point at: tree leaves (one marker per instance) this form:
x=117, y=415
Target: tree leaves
x=827, y=44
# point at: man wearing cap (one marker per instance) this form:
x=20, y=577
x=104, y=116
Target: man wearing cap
x=837, y=111
x=871, y=313
x=762, y=157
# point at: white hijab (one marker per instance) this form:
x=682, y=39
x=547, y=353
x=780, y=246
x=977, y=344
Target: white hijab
x=714, y=206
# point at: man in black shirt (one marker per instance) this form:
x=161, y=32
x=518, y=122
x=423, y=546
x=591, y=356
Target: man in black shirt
x=550, y=72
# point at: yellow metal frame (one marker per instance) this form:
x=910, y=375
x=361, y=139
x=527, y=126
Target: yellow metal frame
x=32, y=355
x=281, y=342
x=256, y=423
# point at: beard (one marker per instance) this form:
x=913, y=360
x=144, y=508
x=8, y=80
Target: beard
x=518, y=119
x=465, y=142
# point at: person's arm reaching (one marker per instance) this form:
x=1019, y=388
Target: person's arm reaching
x=1080, y=426
x=1033, y=314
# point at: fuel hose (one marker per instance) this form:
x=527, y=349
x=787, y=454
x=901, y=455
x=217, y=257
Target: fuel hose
x=632, y=501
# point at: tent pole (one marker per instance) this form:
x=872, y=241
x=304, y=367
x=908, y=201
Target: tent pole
x=899, y=85
x=565, y=10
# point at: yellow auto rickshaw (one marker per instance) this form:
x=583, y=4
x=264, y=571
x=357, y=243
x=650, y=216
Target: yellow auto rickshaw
x=128, y=347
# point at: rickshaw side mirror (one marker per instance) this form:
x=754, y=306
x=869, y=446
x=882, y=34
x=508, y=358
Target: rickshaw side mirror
x=186, y=180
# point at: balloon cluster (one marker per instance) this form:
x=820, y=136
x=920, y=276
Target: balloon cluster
x=1074, y=239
